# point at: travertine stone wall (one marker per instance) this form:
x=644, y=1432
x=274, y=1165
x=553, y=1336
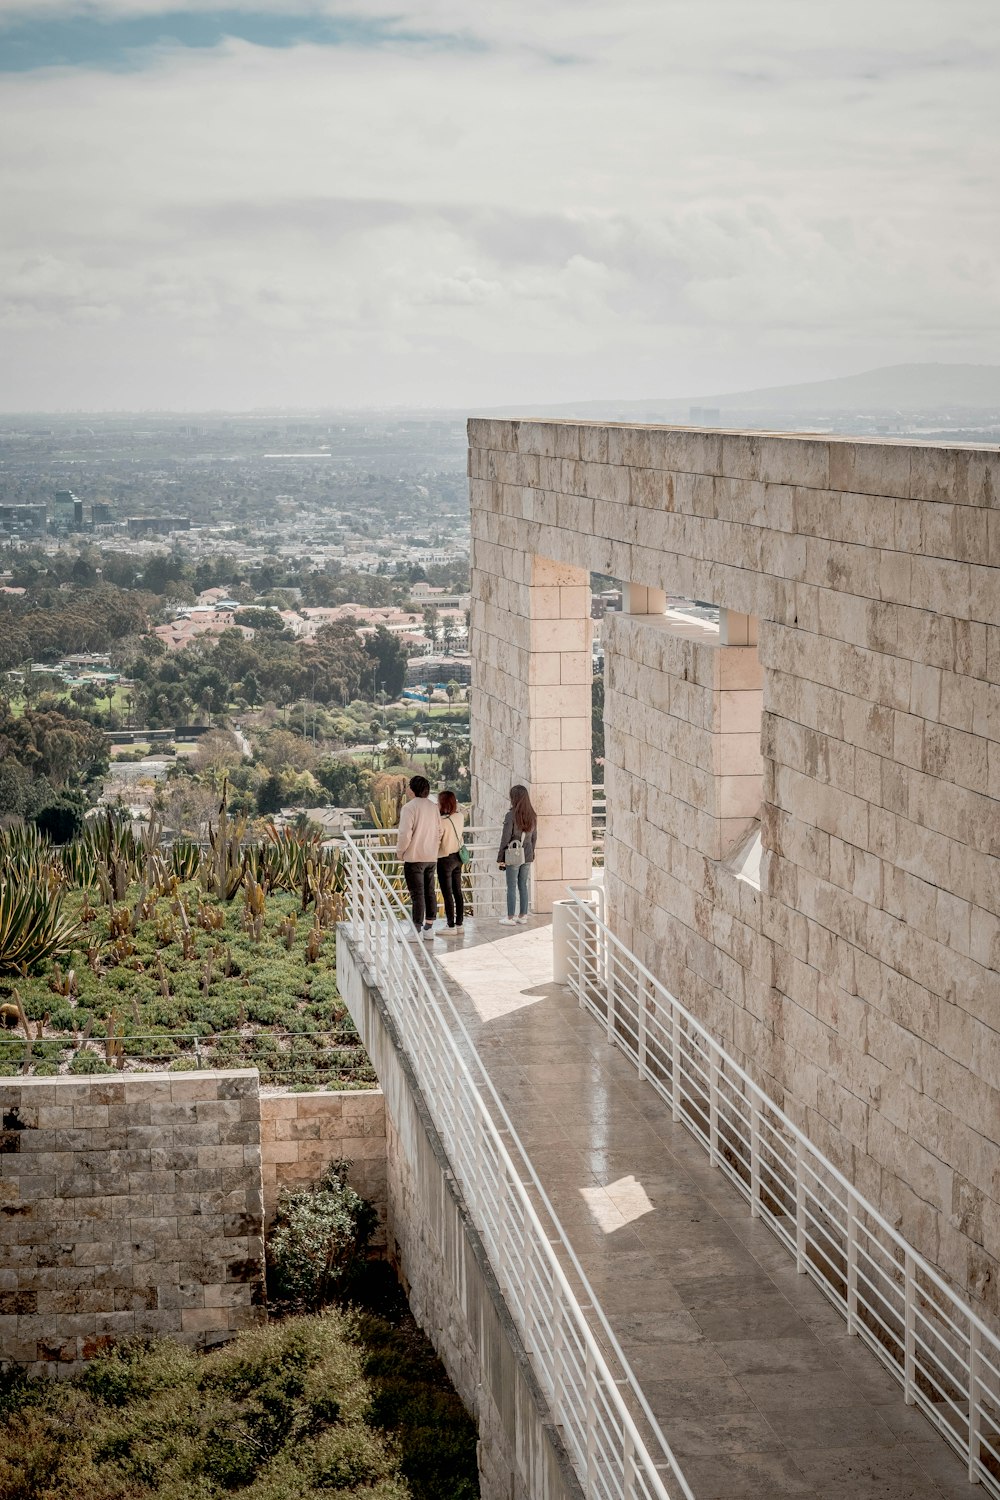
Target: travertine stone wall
x=445, y=1270
x=860, y=985
x=300, y=1134
x=531, y=619
x=128, y=1206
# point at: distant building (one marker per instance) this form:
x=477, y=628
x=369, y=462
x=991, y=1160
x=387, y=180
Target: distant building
x=704, y=416
x=429, y=671
x=64, y=511
x=607, y=603
x=157, y=525
x=101, y=513
x=23, y=520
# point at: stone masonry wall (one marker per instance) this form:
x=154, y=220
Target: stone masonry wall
x=300, y=1134
x=861, y=984
x=128, y=1206
x=532, y=626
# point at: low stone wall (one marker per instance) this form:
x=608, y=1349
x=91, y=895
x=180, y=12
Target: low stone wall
x=447, y=1276
x=128, y=1206
x=300, y=1134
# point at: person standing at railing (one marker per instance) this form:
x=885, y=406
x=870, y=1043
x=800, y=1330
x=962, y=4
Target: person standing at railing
x=449, y=864
x=417, y=842
x=517, y=853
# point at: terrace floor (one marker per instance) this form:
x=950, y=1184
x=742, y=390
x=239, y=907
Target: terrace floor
x=751, y=1373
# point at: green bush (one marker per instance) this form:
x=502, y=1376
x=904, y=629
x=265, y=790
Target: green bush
x=319, y=1238
x=280, y=1414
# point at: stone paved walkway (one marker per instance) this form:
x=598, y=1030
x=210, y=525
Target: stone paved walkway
x=757, y=1386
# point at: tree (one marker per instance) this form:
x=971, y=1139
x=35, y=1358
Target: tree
x=597, y=728
x=251, y=689
x=61, y=821
x=348, y=784
x=431, y=623
x=387, y=656
x=269, y=795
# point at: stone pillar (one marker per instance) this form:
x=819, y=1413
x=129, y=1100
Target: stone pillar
x=560, y=674
x=531, y=705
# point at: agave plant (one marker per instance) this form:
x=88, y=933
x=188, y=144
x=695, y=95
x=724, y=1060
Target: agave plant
x=26, y=854
x=186, y=859
x=223, y=868
x=32, y=926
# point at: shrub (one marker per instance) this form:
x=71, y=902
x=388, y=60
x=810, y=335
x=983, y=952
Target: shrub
x=319, y=1239
x=280, y=1413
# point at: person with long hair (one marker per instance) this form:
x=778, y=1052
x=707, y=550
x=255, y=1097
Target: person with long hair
x=517, y=853
x=449, y=864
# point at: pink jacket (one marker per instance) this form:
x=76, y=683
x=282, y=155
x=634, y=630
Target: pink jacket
x=419, y=831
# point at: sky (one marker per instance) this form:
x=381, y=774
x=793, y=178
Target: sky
x=472, y=203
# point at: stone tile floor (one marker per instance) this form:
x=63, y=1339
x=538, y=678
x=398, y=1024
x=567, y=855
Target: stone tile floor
x=750, y=1372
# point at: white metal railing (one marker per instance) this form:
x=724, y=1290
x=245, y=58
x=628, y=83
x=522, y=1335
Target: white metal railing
x=946, y=1360
x=564, y=1332
x=482, y=883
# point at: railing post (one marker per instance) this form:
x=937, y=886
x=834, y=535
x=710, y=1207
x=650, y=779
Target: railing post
x=713, y=1111
x=591, y=1402
x=675, y=1066
x=609, y=984
x=974, y=1414
x=527, y=1290
x=910, y=1331
x=800, y=1210
x=629, y=1472
x=558, y=1338
x=754, y=1158
x=852, y=1265
x=197, y=1052
x=643, y=997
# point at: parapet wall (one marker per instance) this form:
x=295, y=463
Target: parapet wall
x=860, y=984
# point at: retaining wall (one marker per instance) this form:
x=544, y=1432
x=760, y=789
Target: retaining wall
x=128, y=1207
x=135, y=1206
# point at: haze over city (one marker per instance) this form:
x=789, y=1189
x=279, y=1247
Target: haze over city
x=444, y=204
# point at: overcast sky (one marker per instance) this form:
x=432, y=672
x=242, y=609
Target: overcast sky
x=469, y=202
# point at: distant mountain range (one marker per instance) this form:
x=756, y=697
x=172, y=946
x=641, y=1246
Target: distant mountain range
x=890, y=390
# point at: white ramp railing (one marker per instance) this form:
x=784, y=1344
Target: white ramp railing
x=564, y=1332
x=482, y=882
x=944, y=1357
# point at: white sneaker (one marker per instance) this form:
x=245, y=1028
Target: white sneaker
x=521, y=919
x=409, y=934
x=428, y=933
x=508, y=921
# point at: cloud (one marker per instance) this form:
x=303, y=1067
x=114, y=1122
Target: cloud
x=648, y=198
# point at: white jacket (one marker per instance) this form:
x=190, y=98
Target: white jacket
x=452, y=828
x=419, y=833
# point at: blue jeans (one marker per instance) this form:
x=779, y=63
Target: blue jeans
x=517, y=886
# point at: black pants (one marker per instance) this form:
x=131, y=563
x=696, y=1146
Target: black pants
x=450, y=881
x=419, y=877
